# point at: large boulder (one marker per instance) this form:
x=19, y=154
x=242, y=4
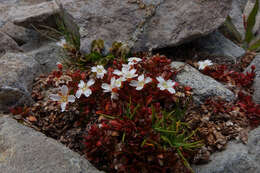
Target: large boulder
x=237, y=158
x=203, y=86
x=35, y=16
x=7, y=44
x=149, y=24
x=25, y=150
x=18, y=70
x=20, y=34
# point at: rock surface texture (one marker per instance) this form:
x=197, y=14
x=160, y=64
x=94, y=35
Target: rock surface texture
x=18, y=70
x=256, y=63
x=147, y=24
x=215, y=44
x=236, y=15
x=7, y=44
x=23, y=150
x=237, y=158
x=35, y=15
x=203, y=86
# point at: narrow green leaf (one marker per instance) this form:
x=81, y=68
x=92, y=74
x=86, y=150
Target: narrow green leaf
x=255, y=46
x=251, y=23
x=164, y=130
x=143, y=143
x=186, y=163
x=123, y=138
x=233, y=30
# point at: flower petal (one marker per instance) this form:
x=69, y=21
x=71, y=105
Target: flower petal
x=78, y=93
x=87, y=92
x=55, y=97
x=114, y=96
x=63, y=106
x=160, y=87
x=81, y=84
x=134, y=83
x=160, y=79
x=90, y=82
x=134, y=59
x=139, y=88
x=94, y=69
x=148, y=80
x=100, y=75
x=71, y=98
x=141, y=77
x=117, y=72
x=64, y=90
x=171, y=90
x=170, y=83
x=106, y=87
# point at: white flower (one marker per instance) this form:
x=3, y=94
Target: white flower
x=118, y=72
x=61, y=43
x=125, y=67
x=166, y=85
x=99, y=69
x=63, y=98
x=126, y=72
x=203, y=64
x=141, y=82
x=84, y=88
x=118, y=82
x=110, y=88
x=133, y=60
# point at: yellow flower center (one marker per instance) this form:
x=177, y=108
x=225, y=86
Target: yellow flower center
x=164, y=84
x=85, y=88
x=141, y=83
x=64, y=99
x=118, y=82
x=99, y=70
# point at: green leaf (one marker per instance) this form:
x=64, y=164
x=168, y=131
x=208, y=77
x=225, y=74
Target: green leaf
x=233, y=30
x=164, y=130
x=123, y=137
x=255, y=46
x=251, y=23
x=186, y=163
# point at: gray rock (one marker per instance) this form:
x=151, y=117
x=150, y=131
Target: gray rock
x=237, y=158
x=7, y=44
x=236, y=15
x=215, y=44
x=242, y=4
x=20, y=34
x=24, y=150
x=256, y=86
x=163, y=23
x=203, y=86
x=17, y=72
x=30, y=16
x=48, y=56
